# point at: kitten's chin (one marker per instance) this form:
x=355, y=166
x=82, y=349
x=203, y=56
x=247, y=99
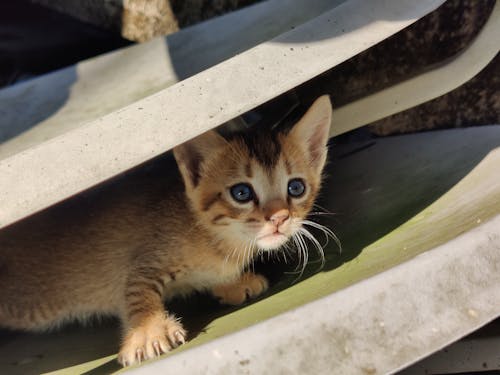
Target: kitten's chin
x=272, y=241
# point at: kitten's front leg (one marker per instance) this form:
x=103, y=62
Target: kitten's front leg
x=148, y=329
x=249, y=285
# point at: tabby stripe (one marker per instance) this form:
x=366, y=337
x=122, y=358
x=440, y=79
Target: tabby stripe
x=134, y=294
x=145, y=286
x=288, y=167
x=217, y=218
x=134, y=304
x=206, y=204
x=147, y=271
x=138, y=311
x=153, y=278
x=248, y=170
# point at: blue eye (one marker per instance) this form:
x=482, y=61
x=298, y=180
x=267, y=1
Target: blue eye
x=296, y=187
x=242, y=193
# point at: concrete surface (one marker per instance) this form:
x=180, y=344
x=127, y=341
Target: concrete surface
x=418, y=218
x=477, y=353
x=78, y=159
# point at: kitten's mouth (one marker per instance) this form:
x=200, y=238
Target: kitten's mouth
x=271, y=235
x=271, y=241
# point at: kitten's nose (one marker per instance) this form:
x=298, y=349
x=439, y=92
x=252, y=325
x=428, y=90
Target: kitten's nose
x=279, y=217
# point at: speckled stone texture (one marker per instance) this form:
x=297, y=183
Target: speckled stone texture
x=432, y=39
x=137, y=20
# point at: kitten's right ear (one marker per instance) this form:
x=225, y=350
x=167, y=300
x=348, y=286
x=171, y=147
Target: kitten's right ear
x=191, y=154
x=313, y=130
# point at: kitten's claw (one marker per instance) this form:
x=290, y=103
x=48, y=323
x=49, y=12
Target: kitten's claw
x=179, y=338
x=138, y=355
x=156, y=335
x=156, y=346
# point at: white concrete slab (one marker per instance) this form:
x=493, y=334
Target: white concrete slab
x=53, y=104
x=65, y=165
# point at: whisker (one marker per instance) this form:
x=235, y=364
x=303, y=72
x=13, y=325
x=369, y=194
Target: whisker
x=238, y=259
x=246, y=257
x=251, y=253
x=299, y=251
x=304, y=249
x=226, y=259
x=316, y=244
x=285, y=251
x=322, y=208
x=318, y=213
x=303, y=254
x=326, y=231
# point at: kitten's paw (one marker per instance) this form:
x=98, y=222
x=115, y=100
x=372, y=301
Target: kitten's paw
x=156, y=335
x=248, y=286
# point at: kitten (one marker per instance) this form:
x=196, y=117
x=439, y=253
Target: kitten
x=126, y=253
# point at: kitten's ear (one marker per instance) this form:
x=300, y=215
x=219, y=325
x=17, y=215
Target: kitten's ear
x=313, y=129
x=191, y=154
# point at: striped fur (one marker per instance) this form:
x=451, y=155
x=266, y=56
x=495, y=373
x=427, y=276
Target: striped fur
x=127, y=251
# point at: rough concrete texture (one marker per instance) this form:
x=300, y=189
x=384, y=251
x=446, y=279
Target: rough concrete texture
x=137, y=20
x=143, y=20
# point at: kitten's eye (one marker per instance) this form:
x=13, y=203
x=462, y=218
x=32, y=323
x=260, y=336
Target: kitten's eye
x=242, y=193
x=296, y=187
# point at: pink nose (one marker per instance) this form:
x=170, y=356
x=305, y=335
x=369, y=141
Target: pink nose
x=279, y=217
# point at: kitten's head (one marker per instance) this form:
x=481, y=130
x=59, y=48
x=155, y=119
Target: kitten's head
x=255, y=190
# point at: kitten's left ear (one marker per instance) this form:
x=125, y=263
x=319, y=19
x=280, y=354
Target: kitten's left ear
x=313, y=129
x=191, y=155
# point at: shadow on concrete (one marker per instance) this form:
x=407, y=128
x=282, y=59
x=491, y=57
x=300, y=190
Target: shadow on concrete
x=35, y=40
x=243, y=36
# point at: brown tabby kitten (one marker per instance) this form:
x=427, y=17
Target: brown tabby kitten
x=125, y=254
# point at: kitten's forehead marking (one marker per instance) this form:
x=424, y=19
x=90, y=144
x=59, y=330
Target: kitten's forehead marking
x=264, y=147
x=288, y=166
x=248, y=169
